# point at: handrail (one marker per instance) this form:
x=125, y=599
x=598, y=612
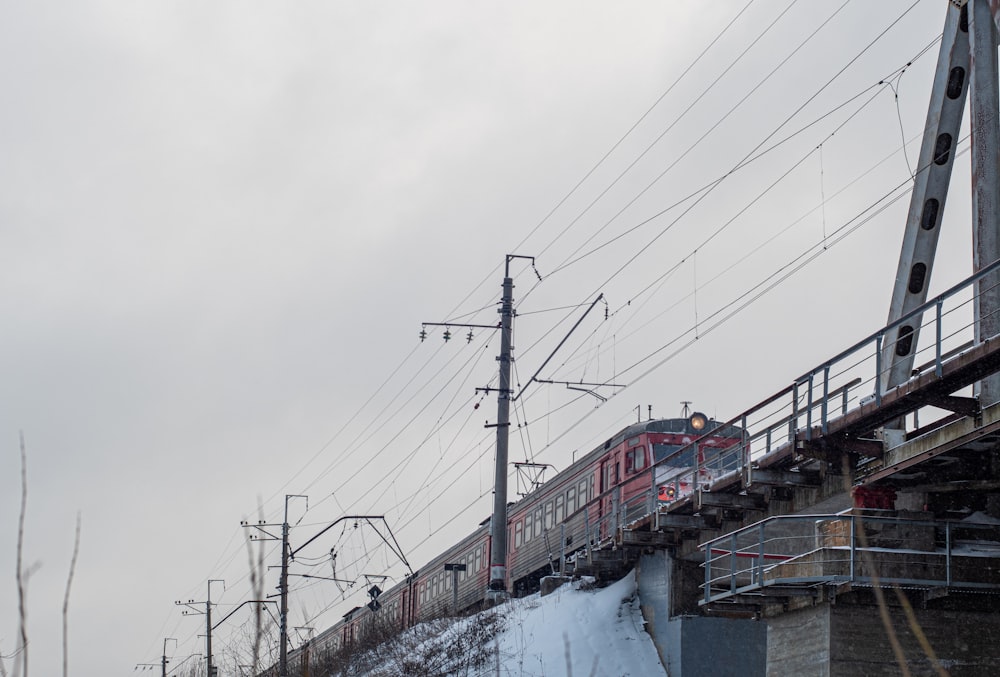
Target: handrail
x=808, y=550
x=819, y=395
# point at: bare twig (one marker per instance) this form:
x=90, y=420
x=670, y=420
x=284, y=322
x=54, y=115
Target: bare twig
x=257, y=570
x=21, y=591
x=65, y=610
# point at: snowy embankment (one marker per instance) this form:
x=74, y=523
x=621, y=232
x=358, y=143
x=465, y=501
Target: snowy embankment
x=578, y=632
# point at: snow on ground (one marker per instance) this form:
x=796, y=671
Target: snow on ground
x=576, y=631
x=579, y=632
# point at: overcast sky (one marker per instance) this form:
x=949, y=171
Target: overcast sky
x=222, y=225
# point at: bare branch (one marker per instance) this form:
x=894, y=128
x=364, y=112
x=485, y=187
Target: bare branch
x=21, y=578
x=65, y=610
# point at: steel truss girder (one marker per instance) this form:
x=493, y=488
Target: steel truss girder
x=984, y=109
x=930, y=189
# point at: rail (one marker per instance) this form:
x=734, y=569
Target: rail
x=780, y=554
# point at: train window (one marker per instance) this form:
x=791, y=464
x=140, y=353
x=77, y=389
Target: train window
x=571, y=500
x=635, y=460
x=560, y=508
x=583, y=494
x=518, y=535
x=528, y=519
x=537, y=524
x=633, y=442
x=548, y=515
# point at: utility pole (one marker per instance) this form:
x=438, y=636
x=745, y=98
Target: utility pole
x=498, y=526
x=208, y=625
x=165, y=661
x=262, y=527
x=288, y=554
x=192, y=609
x=283, y=585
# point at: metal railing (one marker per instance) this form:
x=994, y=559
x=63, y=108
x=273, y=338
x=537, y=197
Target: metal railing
x=830, y=390
x=800, y=551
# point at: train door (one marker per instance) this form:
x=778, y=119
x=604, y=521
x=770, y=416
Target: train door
x=610, y=475
x=404, y=608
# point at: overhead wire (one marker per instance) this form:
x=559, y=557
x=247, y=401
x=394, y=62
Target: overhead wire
x=635, y=125
x=717, y=324
x=673, y=269
x=684, y=72
x=791, y=267
x=339, y=432
x=747, y=157
x=631, y=259
x=357, y=444
x=676, y=120
x=793, y=4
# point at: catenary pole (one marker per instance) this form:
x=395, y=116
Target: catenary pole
x=283, y=656
x=208, y=626
x=498, y=527
x=165, y=661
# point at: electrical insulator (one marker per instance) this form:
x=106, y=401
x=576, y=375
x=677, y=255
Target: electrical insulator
x=447, y=335
x=468, y=339
x=423, y=335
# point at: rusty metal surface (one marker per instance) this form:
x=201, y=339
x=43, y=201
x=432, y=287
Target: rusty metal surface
x=957, y=373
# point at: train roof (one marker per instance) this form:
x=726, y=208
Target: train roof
x=673, y=425
x=679, y=426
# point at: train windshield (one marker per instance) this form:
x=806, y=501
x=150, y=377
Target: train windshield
x=685, y=459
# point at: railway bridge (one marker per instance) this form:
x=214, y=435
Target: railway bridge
x=856, y=528
x=843, y=503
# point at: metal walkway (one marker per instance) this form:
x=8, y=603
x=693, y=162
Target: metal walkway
x=793, y=555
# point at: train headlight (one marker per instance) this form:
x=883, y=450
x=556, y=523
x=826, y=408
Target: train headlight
x=698, y=421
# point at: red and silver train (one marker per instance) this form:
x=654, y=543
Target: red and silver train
x=556, y=520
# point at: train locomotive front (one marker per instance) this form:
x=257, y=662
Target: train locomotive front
x=649, y=463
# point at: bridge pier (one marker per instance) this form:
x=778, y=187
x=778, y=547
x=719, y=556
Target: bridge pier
x=691, y=644
x=833, y=632
x=847, y=636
